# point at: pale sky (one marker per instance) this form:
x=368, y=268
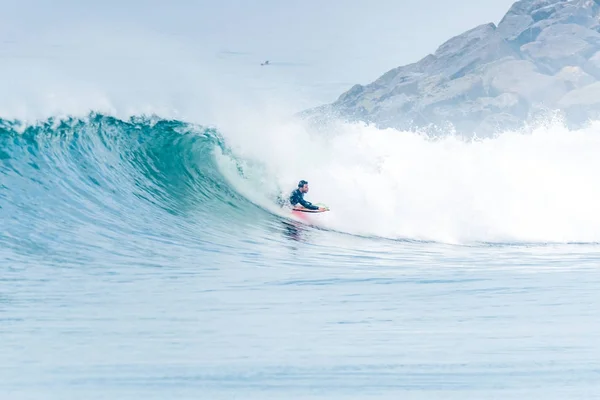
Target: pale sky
x=387, y=33
x=328, y=44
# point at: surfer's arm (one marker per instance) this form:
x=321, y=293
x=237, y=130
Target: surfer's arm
x=307, y=204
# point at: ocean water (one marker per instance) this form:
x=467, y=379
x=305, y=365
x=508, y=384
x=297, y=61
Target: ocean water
x=139, y=262
x=143, y=256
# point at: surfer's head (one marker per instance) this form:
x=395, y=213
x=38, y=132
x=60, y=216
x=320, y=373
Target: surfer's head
x=303, y=186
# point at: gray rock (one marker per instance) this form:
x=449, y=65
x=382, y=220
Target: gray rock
x=583, y=104
x=575, y=77
x=562, y=45
x=544, y=55
x=592, y=66
x=586, y=96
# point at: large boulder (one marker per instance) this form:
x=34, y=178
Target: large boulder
x=543, y=55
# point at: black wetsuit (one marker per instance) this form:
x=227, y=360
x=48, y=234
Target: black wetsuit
x=298, y=197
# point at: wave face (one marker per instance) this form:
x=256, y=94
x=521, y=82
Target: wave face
x=108, y=187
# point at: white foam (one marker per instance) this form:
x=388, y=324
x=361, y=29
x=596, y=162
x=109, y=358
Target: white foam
x=538, y=186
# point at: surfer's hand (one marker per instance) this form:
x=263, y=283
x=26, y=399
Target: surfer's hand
x=322, y=209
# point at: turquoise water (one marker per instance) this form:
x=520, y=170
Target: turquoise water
x=134, y=266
